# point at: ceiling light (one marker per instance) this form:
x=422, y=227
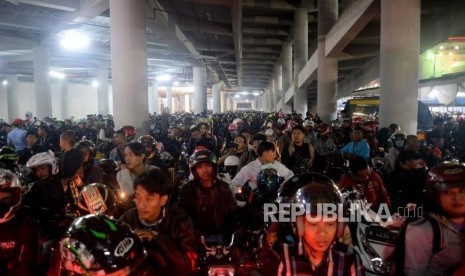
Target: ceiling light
x=176, y=83
x=441, y=47
x=256, y=94
x=95, y=83
x=456, y=47
x=163, y=77
x=461, y=95
x=74, y=40
x=5, y=82
x=433, y=94
x=237, y=96
x=58, y=75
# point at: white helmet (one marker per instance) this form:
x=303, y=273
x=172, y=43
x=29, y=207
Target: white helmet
x=43, y=158
x=308, y=123
x=231, y=160
x=9, y=182
x=236, y=121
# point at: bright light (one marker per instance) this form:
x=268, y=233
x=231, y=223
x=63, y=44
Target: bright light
x=461, y=95
x=74, y=40
x=163, y=77
x=5, y=82
x=430, y=55
x=441, y=47
x=190, y=88
x=245, y=93
x=256, y=94
x=58, y=75
x=456, y=47
x=176, y=83
x=450, y=53
x=95, y=83
x=237, y=96
x=433, y=94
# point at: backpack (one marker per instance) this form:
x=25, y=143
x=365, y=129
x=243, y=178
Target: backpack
x=399, y=251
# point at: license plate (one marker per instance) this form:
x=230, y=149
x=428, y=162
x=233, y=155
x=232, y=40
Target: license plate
x=381, y=236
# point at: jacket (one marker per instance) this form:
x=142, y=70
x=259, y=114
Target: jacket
x=174, y=237
x=419, y=257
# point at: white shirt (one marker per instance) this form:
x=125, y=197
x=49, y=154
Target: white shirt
x=250, y=171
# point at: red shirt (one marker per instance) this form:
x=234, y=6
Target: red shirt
x=375, y=193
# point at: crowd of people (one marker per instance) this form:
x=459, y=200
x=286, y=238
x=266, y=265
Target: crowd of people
x=111, y=200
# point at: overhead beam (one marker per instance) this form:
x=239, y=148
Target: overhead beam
x=353, y=19
x=278, y=5
x=64, y=5
x=264, y=31
x=204, y=26
x=267, y=20
x=89, y=9
x=262, y=41
x=309, y=73
x=210, y=2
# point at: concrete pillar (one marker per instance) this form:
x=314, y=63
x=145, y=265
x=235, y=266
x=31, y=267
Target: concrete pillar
x=223, y=101
x=43, y=93
x=200, y=89
x=169, y=98
x=274, y=87
x=103, y=103
x=287, y=66
x=64, y=99
x=216, y=98
x=399, y=53
x=279, y=85
x=129, y=63
x=300, y=58
x=12, y=97
x=327, y=67
x=155, y=99
x=187, y=102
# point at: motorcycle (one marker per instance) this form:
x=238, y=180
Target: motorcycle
x=375, y=240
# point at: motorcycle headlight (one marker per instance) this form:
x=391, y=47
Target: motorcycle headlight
x=221, y=270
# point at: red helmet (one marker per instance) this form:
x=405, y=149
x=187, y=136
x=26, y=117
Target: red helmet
x=445, y=176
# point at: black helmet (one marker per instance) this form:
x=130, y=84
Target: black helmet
x=99, y=245
x=398, y=140
x=311, y=189
x=268, y=182
x=108, y=166
x=8, y=158
x=146, y=140
x=202, y=155
x=97, y=198
x=89, y=146
x=445, y=176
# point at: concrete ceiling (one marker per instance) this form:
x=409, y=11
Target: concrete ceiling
x=240, y=41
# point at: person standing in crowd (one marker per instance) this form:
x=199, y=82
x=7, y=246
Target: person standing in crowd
x=19, y=239
x=366, y=182
x=47, y=139
x=298, y=155
x=166, y=232
x=199, y=139
x=71, y=165
x=435, y=245
x=91, y=172
x=239, y=148
x=134, y=157
x=357, y=147
x=249, y=173
x=17, y=136
x=117, y=154
x=208, y=200
x=31, y=148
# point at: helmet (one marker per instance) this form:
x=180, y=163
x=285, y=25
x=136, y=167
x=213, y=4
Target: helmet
x=129, y=132
x=97, y=198
x=108, y=166
x=89, y=146
x=445, y=176
x=9, y=182
x=398, y=140
x=231, y=164
x=308, y=123
x=268, y=182
x=236, y=121
x=352, y=197
x=98, y=245
x=18, y=122
x=202, y=155
x=311, y=189
x=146, y=140
x=8, y=157
x=232, y=127
x=44, y=158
